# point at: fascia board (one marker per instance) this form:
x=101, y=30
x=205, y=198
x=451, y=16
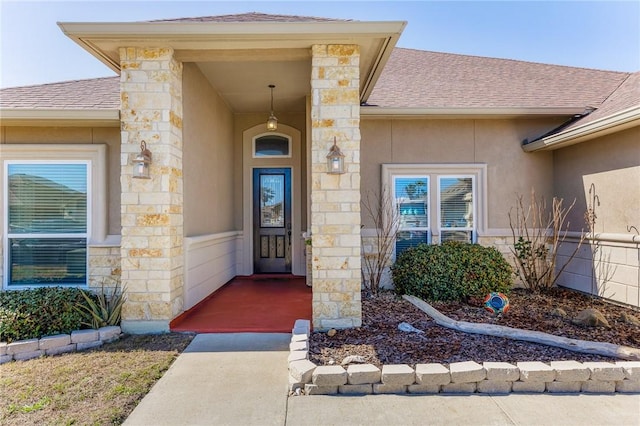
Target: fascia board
x=619, y=121
x=51, y=116
x=372, y=111
x=135, y=30
x=98, y=38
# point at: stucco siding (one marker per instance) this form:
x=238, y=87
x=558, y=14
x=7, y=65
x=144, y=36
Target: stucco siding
x=208, y=157
x=109, y=136
x=612, y=165
x=497, y=143
x=608, y=264
x=243, y=122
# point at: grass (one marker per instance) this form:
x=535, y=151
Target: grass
x=97, y=387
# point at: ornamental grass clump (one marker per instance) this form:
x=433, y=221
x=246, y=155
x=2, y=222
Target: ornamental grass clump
x=451, y=271
x=104, y=308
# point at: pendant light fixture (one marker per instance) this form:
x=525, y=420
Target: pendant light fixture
x=272, y=122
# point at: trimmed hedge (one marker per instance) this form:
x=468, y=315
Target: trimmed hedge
x=451, y=271
x=35, y=313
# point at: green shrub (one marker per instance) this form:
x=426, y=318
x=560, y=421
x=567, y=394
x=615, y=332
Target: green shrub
x=451, y=271
x=34, y=313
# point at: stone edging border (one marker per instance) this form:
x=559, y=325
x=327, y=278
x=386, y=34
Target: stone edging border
x=78, y=340
x=468, y=377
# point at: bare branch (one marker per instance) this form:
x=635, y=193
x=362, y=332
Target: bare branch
x=538, y=234
x=386, y=220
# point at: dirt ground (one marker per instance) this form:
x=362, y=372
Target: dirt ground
x=379, y=341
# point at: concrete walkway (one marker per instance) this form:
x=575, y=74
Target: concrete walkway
x=240, y=379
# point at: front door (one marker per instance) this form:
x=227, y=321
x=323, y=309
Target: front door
x=272, y=220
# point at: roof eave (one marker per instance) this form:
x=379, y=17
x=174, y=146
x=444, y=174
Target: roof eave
x=612, y=123
x=59, y=117
x=468, y=112
x=102, y=39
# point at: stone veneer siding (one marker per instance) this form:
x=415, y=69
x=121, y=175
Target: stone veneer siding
x=335, y=199
x=104, y=267
x=152, y=216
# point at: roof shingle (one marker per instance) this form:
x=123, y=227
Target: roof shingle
x=627, y=95
x=96, y=93
x=251, y=17
x=411, y=79
x=422, y=79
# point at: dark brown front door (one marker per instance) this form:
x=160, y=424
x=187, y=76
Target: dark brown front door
x=272, y=220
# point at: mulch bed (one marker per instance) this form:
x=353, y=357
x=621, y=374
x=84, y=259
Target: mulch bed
x=380, y=342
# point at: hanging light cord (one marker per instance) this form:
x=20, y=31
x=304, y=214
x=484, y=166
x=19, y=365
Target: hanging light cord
x=271, y=86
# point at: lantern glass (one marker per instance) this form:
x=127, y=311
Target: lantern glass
x=142, y=162
x=141, y=169
x=272, y=123
x=335, y=160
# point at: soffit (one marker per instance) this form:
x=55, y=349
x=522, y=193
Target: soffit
x=244, y=85
x=243, y=58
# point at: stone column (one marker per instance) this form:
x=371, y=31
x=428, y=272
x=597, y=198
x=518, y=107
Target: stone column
x=152, y=218
x=335, y=199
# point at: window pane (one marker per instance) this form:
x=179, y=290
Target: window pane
x=407, y=239
x=272, y=201
x=411, y=196
x=463, y=236
x=47, y=198
x=456, y=202
x=269, y=146
x=47, y=261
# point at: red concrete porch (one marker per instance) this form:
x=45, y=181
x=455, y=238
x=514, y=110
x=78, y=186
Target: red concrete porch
x=260, y=303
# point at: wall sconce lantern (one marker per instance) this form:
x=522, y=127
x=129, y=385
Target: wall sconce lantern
x=272, y=122
x=142, y=162
x=335, y=160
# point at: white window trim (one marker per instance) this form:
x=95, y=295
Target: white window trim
x=262, y=135
x=93, y=155
x=476, y=170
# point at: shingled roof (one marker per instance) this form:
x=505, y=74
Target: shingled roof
x=96, y=93
x=252, y=17
x=422, y=79
x=627, y=95
x=411, y=79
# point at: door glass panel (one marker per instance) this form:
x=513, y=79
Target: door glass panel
x=272, y=201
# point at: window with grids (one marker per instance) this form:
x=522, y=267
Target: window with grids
x=46, y=222
x=436, y=202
